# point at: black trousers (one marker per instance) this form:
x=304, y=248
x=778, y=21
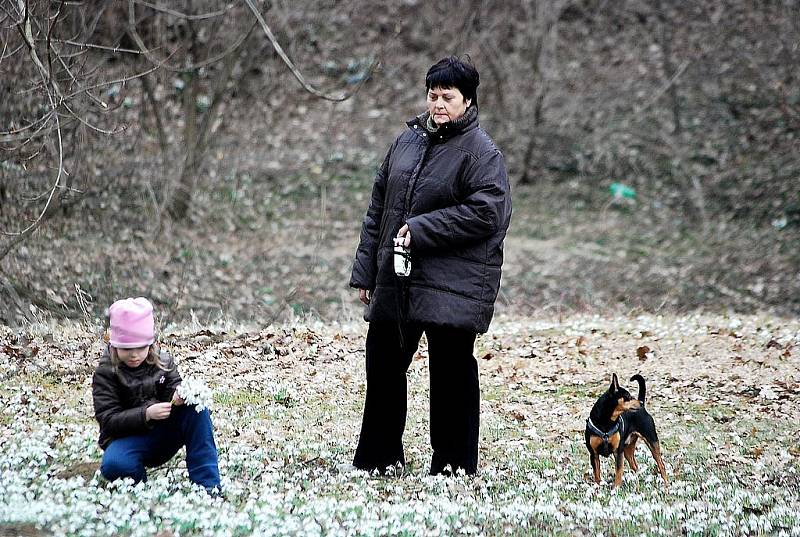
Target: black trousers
x=454, y=389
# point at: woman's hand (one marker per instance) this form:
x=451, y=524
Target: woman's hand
x=403, y=236
x=363, y=296
x=177, y=400
x=158, y=411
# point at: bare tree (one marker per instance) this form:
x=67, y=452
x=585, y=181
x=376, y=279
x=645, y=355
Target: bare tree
x=542, y=25
x=200, y=26
x=63, y=96
x=55, y=101
x=71, y=74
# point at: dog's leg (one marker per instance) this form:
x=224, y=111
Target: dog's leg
x=594, y=458
x=618, y=461
x=655, y=450
x=630, y=453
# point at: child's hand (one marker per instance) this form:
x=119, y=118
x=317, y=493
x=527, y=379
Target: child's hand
x=158, y=411
x=177, y=400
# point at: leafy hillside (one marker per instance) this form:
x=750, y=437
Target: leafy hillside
x=692, y=110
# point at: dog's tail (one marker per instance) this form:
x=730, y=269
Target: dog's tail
x=642, y=389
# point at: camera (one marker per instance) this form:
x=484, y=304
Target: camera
x=402, y=261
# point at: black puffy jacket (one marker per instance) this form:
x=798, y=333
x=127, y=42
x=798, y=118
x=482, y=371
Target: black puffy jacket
x=121, y=396
x=451, y=187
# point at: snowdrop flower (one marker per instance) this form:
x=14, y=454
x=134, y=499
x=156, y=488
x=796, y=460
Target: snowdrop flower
x=196, y=392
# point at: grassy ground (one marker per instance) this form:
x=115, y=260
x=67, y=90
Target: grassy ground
x=723, y=391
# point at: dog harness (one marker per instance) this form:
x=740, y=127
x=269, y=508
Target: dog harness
x=604, y=435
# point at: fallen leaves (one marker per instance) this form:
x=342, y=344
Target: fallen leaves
x=644, y=353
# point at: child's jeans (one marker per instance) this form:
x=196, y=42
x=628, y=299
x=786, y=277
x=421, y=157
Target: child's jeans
x=128, y=456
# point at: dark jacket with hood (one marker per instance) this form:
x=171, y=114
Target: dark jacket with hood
x=121, y=395
x=450, y=186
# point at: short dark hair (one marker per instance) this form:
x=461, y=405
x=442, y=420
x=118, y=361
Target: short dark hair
x=453, y=72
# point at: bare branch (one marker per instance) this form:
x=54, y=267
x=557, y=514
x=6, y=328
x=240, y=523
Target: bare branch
x=151, y=99
x=50, y=36
x=27, y=35
x=12, y=293
x=19, y=236
x=100, y=47
x=13, y=135
x=297, y=74
x=202, y=16
x=93, y=127
x=3, y=53
x=111, y=82
x=163, y=63
x=60, y=58
x=9, y=15
x=12, y=52
x=678, y=72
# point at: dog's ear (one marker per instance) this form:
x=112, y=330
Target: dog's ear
x=614, y=383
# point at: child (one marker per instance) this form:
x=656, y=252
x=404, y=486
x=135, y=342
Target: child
x=143, y=421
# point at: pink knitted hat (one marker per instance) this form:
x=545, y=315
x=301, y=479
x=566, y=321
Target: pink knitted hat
x=132, y=323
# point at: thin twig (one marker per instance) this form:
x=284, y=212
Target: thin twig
x=27, y=35
x=101, y=47
x=110, y=82
x=12, y=293
x=12, y=52
x=67, y=69
x=151, y=99
x=93, y=127
x=50, y=36
x=163, y=63
x=10, y=15
x=26, y=127
x=3, y=53
x=297, y=74
x=18, y=136
x=202, y=16
x=678, y=72
x=19, y=236
x=47, y=192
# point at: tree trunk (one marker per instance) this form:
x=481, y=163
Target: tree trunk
x=182, y=197
x=197, y=137
x=665, y=42
x=527, y=161
x=3, y=193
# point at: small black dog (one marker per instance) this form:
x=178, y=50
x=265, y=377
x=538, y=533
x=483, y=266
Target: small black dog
x=616, y=422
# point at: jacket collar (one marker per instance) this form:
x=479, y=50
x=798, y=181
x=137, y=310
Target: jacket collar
x=466, y=122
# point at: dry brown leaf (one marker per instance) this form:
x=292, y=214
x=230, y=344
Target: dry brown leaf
x=517, y=415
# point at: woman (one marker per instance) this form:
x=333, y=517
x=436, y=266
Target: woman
x=442, y=192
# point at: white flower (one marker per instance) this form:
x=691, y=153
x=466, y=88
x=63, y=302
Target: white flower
x=767, y=392
x=196, y=392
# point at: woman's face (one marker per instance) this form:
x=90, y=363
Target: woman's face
x=446, y=104
x=133, y=357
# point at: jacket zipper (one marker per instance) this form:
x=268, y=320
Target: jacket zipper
x=414, y=177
